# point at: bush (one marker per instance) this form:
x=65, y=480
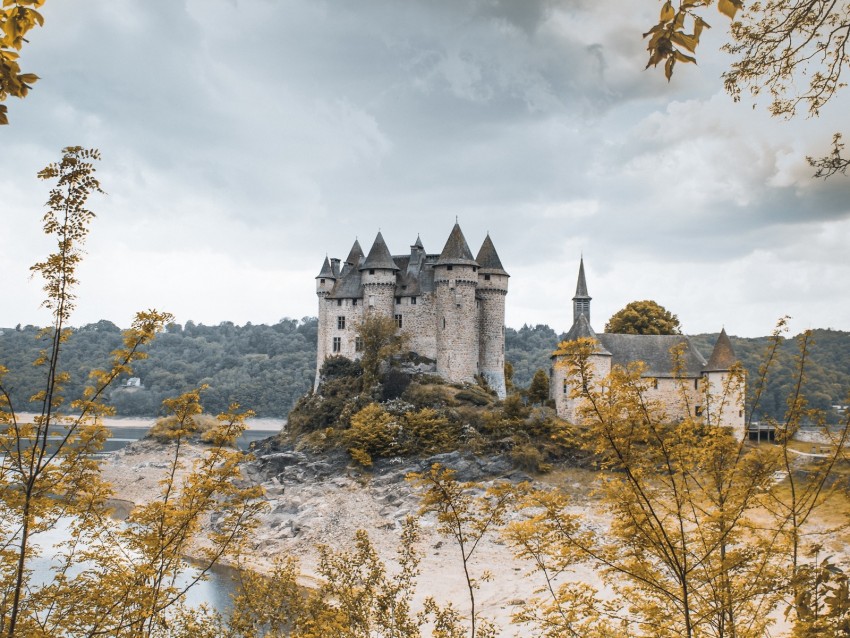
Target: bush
x=373, y=433
x=167, y=428
x=528, y=458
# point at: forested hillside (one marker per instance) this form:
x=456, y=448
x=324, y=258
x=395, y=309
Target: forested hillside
x=827, y=379
x=267, y=368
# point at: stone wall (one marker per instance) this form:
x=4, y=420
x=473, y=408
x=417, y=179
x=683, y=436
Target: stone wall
x=457, y=323
x=491, y=337
x=419, y=321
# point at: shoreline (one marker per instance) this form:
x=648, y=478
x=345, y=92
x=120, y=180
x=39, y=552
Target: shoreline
x=263, y=424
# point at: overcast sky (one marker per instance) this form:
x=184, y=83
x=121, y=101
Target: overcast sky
x=243, y=140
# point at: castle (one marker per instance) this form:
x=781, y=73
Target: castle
x=451, y=305
x=701, y=383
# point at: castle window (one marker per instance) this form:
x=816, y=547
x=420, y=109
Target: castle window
x=339, y=302
x=337, y=344
x=696, y=384
x=353, y=302
x=566, y=387
x=486, y=277
x=340, y=323
x=371, y=271
x=444, y=323
x=697, y=410
x=371, y=301
x=322, y=281
x=413, y=301
x=398, y=300
x=449, y=267
x=475, y=269
x=398, y=321
x=358, y=344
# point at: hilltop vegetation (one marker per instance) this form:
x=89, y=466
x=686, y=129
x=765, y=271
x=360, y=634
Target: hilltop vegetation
x=264, y=367
x=268, y=368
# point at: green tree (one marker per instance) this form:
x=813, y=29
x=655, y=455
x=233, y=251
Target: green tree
x=538, y=391
x=644, y=318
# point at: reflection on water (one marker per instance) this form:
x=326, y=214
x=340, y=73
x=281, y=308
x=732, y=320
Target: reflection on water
x=220, y=582
x=215, y=591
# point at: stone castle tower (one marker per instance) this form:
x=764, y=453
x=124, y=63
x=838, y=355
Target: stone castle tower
x=452, y=305
x=708, y=385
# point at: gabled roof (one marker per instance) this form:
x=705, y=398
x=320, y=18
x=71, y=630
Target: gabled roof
x=488, y=259
x=456, y=251
x=581, y=284
x=655, y=352
x=379, y=256
x=326, y=272
x=723, y=356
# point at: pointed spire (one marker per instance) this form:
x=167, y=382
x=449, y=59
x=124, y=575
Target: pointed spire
x=581, y=285
x=355, y=255
x=581, y=301
x=379, y=256
x=456, y=250
x=326, y=272
x=723, y=356
x=418, y=242
x=488, y=259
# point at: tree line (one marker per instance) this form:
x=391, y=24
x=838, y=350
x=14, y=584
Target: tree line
x=268, y=367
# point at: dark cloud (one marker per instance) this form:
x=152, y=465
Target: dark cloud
x=245, y=139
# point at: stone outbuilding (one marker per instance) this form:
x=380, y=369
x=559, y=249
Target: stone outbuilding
x=672, y=379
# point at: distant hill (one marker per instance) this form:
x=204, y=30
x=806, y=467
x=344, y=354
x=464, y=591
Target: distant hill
x=267, y=368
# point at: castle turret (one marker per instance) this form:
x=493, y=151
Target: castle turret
x=455, y=283
x=560, y=381
x=492, y=288
x=325, y=281
x=581, y=301
x=724, y=403
x=378, y=272
x=352, y=262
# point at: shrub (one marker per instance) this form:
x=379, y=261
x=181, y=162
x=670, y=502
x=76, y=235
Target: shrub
x=373, y=433
x=167, y=428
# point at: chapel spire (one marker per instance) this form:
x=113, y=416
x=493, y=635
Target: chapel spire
x=581, y=301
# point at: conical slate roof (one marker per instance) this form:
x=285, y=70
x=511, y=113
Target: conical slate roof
x=581, y=285
x=581, y=330
x=355, y=255
x=488, y=259
x=326, y=272
x=379, y=256
x=418, y=242
x=723, y=356
x=456, y=250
